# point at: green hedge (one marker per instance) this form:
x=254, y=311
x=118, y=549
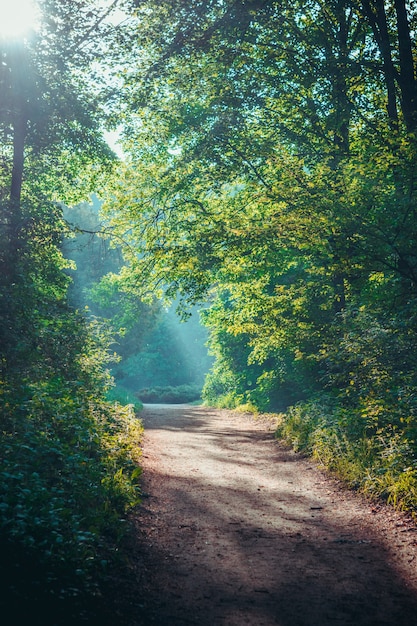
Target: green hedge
x=69, y=472
x=170, y=395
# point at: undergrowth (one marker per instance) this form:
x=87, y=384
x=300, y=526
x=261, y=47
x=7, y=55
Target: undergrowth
x=124, y=396
x=377, y=459
x=229, y=400
x=69, y=474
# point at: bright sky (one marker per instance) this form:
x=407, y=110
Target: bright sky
x=17, y=17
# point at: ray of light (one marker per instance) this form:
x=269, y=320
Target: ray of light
x=17, y=18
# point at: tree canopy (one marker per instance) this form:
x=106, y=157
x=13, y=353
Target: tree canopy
x=271, y=172
x=272, y=155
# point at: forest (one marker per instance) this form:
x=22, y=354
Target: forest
x=264, y=183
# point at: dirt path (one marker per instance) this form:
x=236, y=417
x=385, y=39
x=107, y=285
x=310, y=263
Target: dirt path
x=237, y=530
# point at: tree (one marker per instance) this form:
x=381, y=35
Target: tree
x=68, y=469
x=285, y=175
x=53, y=150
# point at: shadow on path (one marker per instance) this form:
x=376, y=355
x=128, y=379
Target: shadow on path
x=237, y=530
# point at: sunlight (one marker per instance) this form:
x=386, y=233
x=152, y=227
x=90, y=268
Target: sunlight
x=17, y=17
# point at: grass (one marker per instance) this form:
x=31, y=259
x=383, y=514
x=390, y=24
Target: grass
x=378, y=461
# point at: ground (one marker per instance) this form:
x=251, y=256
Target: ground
x=235, y=529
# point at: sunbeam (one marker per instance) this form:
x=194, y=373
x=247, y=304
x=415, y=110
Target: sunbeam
x=17, y=18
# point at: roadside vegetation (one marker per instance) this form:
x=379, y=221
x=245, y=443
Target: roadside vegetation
x=171, y=395
x=69, y=457
x=378, y=461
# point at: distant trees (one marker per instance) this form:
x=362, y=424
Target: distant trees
x=272, y=165
x=154, y=347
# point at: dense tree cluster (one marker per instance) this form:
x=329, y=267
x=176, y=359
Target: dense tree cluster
x=68, y=459
x=272, y=170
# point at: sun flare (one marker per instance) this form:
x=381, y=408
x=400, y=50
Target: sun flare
x=17, y=17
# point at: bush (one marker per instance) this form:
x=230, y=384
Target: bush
x=381, y=462
x=124, y=396
x=230, y=400
x=69, y=469
x=68, y=474
x=170, y=395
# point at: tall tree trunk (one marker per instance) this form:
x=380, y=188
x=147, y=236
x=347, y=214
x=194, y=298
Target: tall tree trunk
x=407, y=78
x=15, y=220
x=377, y=19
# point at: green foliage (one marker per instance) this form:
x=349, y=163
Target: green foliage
x=230, y=400
x=379, y=462
x=68, y=459
x=68, y=474
x=124, y=397
x=271, y=378
x=170, y=395
x=281, y=188
x=219, y=387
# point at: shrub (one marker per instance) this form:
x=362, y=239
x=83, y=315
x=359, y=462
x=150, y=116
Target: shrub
x=69, y=472
x=170, y=395
x=124, y=396
x=381, y=462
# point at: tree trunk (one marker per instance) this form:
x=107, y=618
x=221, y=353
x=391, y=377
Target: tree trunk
x=378, y=21
x=407, y=79
x=19, y=136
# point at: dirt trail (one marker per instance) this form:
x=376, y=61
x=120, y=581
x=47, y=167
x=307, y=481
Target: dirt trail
x=238, y=530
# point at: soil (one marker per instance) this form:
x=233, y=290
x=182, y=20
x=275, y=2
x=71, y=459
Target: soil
x=235, y=529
